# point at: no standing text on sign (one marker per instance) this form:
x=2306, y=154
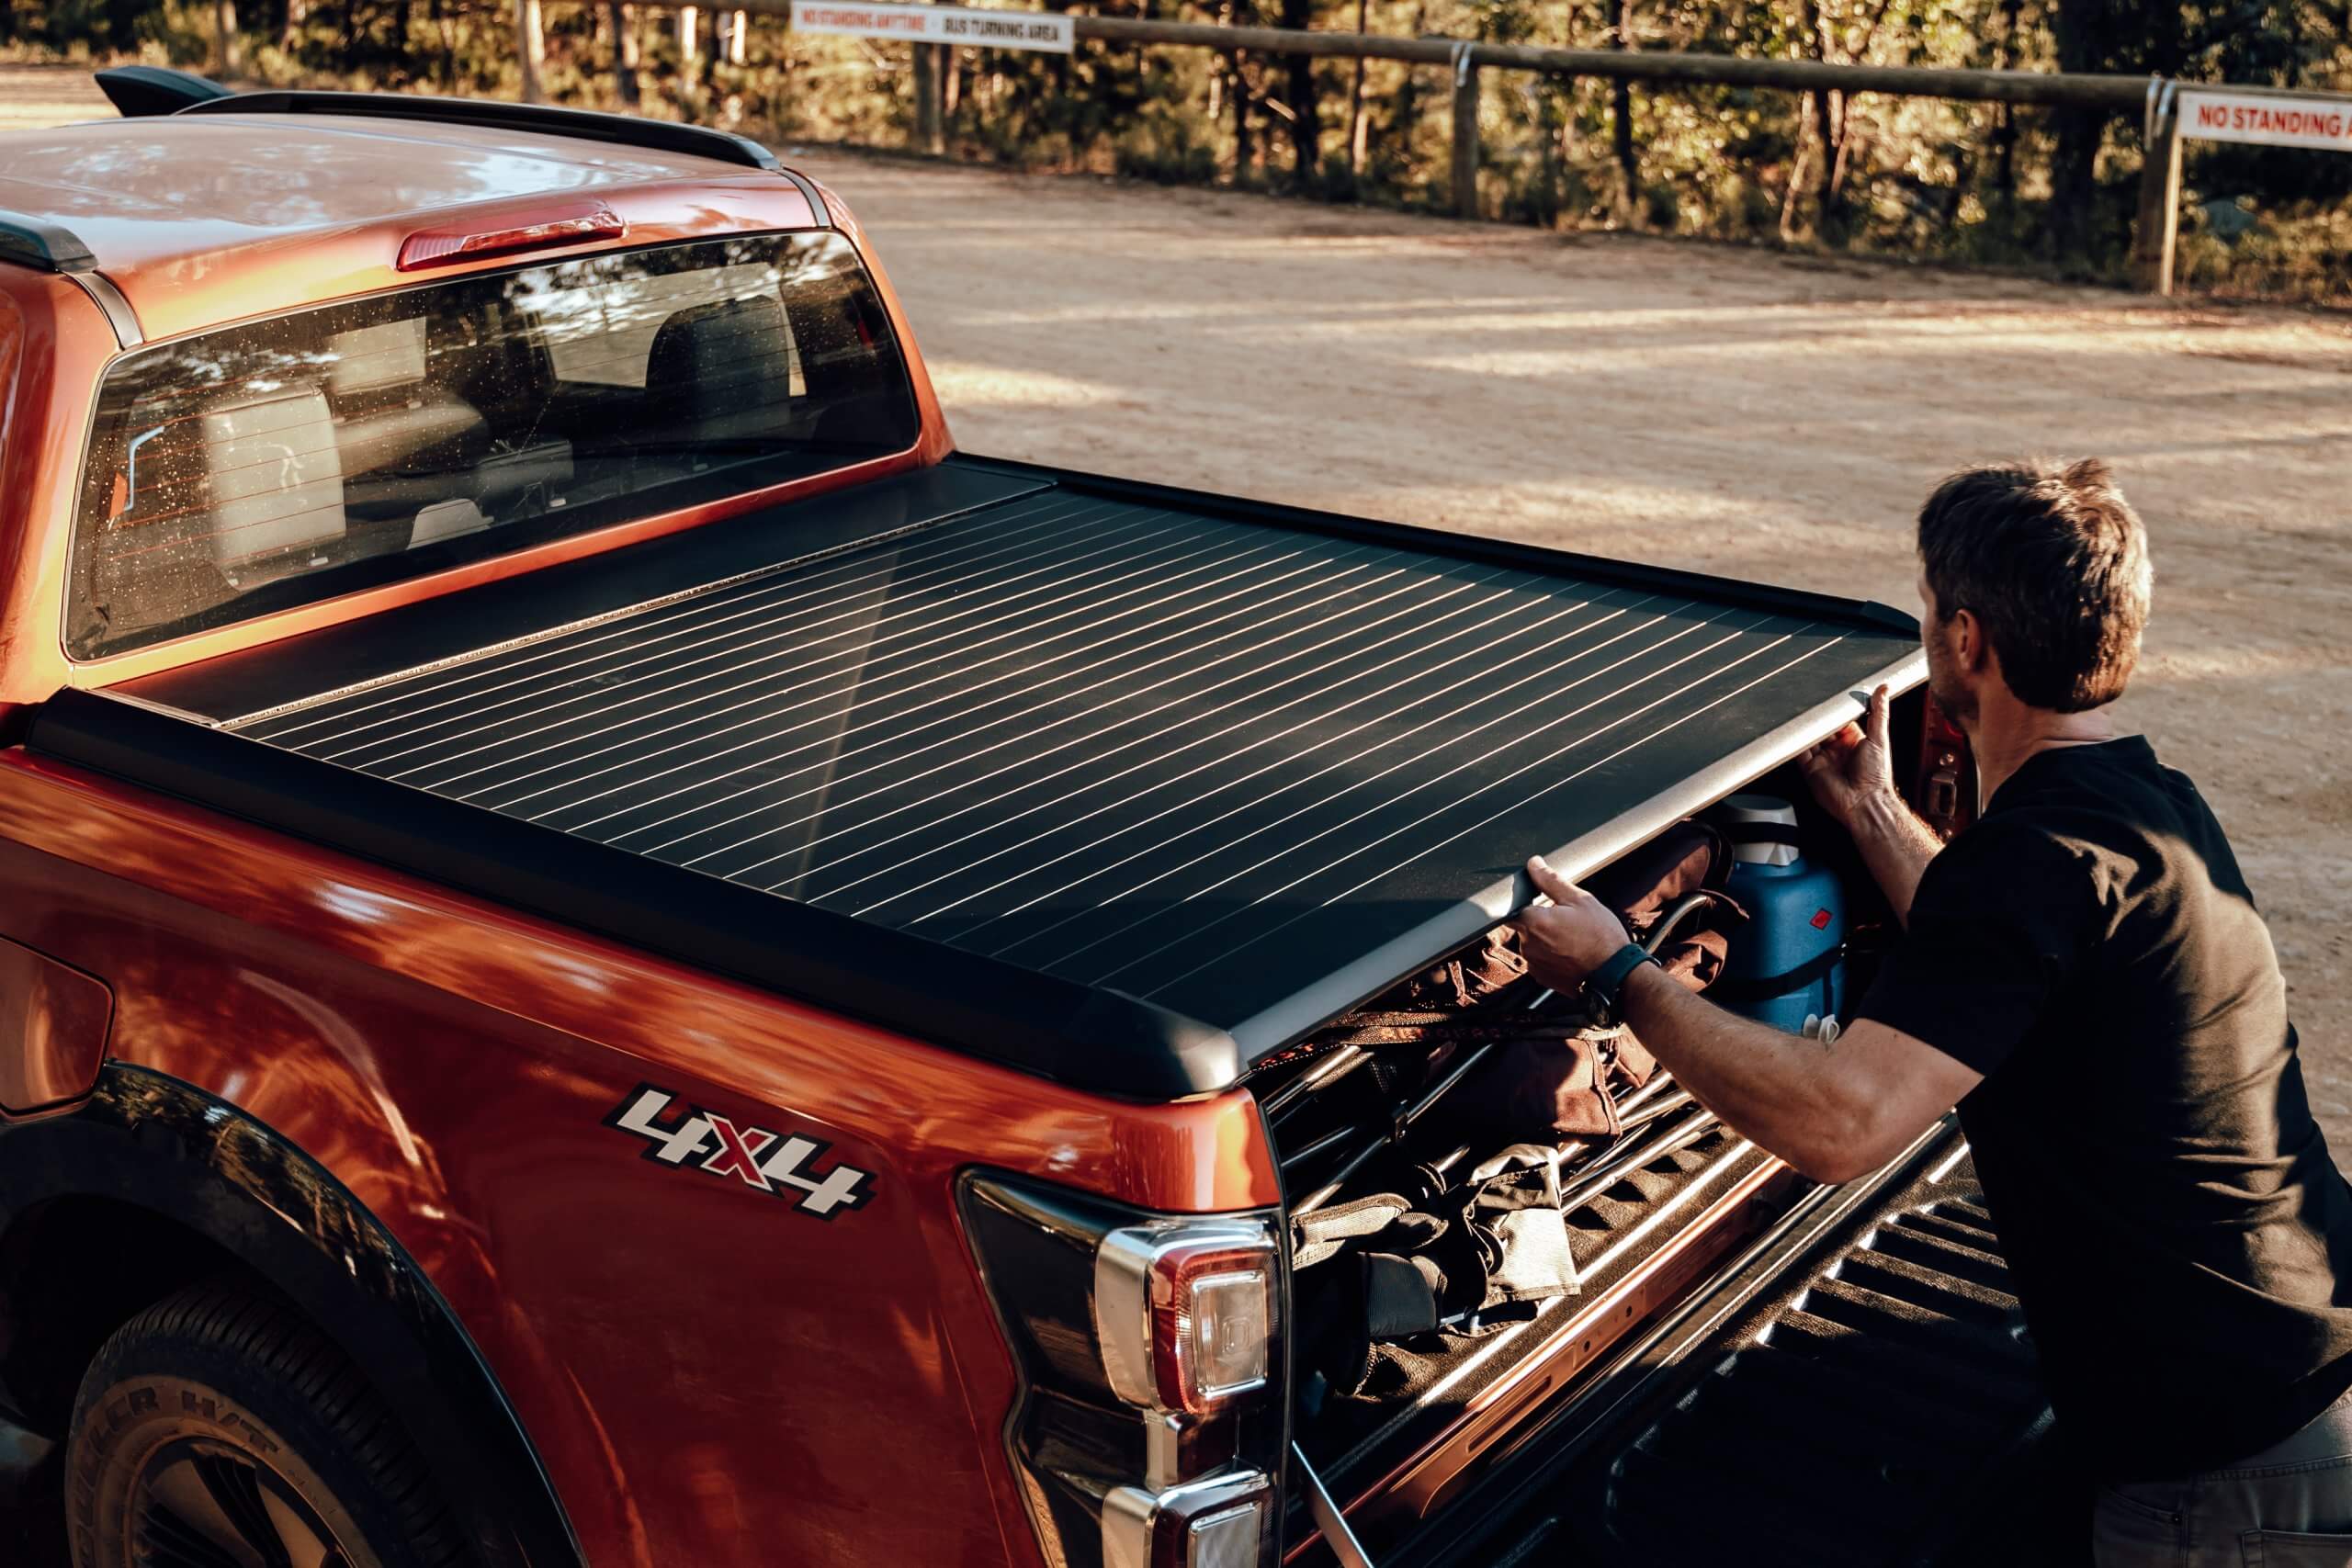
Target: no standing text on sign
x=2269, y=120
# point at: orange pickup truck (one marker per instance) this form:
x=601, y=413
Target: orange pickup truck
x=611, y=955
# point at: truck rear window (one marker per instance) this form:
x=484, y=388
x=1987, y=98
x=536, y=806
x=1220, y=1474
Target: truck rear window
x=285, y=461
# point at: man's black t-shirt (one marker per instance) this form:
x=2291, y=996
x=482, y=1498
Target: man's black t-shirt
x=2179, y=1239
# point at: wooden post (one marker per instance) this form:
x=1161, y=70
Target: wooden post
x=2157, y=235
x=531, y=48
x=931, y=133
x=1466, y=133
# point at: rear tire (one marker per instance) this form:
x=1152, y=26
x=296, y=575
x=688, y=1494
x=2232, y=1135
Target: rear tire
x=217, y=1429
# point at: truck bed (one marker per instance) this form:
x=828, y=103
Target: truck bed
x=1127, y=785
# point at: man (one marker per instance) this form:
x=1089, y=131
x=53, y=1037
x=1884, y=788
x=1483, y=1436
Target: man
x=2084, y=974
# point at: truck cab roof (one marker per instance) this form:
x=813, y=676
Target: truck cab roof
x=263, y=203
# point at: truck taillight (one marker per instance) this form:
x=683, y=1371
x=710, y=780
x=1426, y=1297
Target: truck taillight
x=1227, y=1522
x=1151, y=1424
x=1186, y=1312
x=1212, y=1319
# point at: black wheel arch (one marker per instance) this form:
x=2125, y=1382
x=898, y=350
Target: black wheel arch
x=152, y=1183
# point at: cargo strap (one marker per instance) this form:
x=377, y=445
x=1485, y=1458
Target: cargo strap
x=1763, y=986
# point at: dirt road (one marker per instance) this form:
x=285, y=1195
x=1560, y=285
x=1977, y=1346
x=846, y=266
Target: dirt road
x=1723, y=409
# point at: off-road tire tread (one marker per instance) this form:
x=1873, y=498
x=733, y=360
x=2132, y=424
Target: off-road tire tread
x=280, y=1348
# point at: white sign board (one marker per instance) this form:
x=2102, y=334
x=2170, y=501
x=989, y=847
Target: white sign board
x=938, y=24
x=2272, y=120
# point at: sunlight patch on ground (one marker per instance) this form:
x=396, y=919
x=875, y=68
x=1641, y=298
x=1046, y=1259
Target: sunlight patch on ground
x=962, y=384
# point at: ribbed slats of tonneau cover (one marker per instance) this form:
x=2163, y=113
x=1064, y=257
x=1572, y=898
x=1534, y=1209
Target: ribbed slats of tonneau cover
x=1850, y=1423
x=1195, y=759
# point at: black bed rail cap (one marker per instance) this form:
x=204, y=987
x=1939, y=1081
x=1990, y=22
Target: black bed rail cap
x=138, y=91
x=543, y=120
x=1089, y=1037
x=38, y=243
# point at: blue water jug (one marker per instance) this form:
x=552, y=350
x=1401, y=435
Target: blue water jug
x=1786, y=966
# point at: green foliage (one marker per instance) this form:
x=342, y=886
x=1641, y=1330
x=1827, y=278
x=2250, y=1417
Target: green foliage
x=1922, y=178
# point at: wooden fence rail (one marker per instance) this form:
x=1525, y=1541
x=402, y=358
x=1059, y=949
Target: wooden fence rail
x=2158, y=217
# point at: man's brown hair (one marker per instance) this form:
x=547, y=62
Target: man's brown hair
x=2053, y=563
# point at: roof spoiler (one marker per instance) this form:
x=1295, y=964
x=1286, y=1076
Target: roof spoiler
x=139, y=90
x=587, y=125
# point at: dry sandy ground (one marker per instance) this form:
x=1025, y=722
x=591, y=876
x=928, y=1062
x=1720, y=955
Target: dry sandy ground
x=1729, y=410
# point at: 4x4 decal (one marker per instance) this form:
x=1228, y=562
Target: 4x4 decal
x=777, y=1163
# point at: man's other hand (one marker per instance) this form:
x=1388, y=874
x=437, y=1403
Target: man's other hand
x=1854, y=768
x=1570, y=938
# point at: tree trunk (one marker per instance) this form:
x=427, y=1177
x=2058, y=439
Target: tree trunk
x=1828, y=123
x=224, y=36
x=1806, y=112
x=1355, y=103
x=930, y=133
x=1839, y=134
x=1305, y=127
x=689, y=36
x=623, y=19
x=1621, y=114
x=1408, y=96
x=531, y=48
x=1241, y=149
x=2074, y=165
x=2005, y=118
x=290, y=35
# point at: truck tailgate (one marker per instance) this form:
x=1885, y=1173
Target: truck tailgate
x=1241, y=765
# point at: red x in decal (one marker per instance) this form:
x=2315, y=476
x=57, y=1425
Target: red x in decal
x=739, y=1152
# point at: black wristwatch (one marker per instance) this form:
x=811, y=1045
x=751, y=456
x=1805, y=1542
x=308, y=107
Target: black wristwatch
x=1605, y=984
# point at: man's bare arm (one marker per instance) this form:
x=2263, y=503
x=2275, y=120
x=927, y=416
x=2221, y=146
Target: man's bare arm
x=1835, y=1110
x=1896, y=845
x=1852, y=776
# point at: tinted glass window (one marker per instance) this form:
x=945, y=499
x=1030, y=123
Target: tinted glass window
x=287, y=460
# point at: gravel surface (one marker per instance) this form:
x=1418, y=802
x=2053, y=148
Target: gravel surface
x=1723, y=409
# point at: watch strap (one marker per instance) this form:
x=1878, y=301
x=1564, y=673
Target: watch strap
x=1606, y=984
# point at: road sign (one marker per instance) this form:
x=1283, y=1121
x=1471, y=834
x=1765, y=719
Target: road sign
x=2271, y=119
x=938, y=24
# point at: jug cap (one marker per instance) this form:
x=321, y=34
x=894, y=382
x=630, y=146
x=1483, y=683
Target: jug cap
x=1763, y=810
